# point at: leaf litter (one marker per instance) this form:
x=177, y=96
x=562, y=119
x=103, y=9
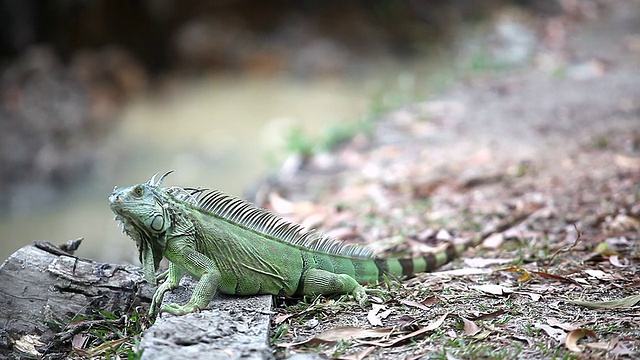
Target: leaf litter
x=556, y=275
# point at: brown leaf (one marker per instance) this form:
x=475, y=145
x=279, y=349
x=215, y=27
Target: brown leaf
x=419, y=305
x=314, y=220
x=280, y=205
x=434, y=325
x=470, y=328
x=489, y=316
x=431, y=300
x=281, y=318
x=571, y=341
x=79, y=341
x=552, y=276
x=350, y=332
x=338, y=334
x=492, y=289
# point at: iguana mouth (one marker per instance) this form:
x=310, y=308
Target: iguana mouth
x=118, y=204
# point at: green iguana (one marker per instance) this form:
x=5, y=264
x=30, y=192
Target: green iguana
x=234, y=247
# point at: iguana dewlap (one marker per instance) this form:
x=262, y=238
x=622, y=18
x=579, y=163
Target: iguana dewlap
x=231, y=246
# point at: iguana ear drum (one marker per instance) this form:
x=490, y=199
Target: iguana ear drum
x=157, y=223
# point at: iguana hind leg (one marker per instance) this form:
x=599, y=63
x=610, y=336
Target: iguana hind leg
x=322, y=282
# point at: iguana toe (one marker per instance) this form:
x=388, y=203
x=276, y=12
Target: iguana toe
x=177, y=309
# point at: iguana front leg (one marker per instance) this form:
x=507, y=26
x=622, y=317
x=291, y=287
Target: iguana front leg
x=322, y=282
x=198, y=265
x=172, y=279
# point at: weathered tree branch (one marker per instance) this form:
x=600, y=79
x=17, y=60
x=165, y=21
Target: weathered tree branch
x=43, y=288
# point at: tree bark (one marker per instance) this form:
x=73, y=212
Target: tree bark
x=42, y=288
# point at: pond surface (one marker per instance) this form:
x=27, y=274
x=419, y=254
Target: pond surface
x=218, y=132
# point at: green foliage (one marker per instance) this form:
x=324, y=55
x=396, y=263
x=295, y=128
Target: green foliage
x=341, y=348
x=279, y=333
x=396, y=93
x=299, y=142
x=601, y=142
x=107, y=335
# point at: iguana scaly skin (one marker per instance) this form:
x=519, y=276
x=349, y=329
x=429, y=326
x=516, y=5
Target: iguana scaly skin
x=233, y=247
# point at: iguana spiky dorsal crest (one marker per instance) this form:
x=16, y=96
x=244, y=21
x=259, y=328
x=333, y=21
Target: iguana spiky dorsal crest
x=247, y=215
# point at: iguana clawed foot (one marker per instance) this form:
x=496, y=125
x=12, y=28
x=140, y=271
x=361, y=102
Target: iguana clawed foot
x=177, y=309
x=361, y=295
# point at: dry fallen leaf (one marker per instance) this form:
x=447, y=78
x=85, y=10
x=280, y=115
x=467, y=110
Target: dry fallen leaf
x=598, y=274
x=106, y=347
x=553, y=276
x=557, y=334
x=419, y=305
x=627, y=162
x=526, y=275
x=493, y=241
x=338, y=334
x=492, y=289
x=281, y=318
x=470, y=328
x=533, y=296
x=434, y=325
x=571, y=341
x=489, y=316
x=483, y=335
x=615, y=261
x=27, y=344
x=372, y=315
x=628, y=301
x=565, y=326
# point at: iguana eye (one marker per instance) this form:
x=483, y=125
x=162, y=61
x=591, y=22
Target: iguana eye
x=138, y=191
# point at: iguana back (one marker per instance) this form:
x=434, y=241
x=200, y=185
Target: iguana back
x=233, y=247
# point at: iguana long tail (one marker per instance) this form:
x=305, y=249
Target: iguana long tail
x=409, y=267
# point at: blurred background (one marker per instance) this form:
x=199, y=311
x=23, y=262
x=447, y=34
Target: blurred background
x=102, y=93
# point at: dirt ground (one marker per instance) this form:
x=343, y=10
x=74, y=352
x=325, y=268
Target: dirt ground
x=541, y=161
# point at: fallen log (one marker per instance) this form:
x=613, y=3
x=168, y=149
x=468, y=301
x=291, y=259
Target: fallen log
x=42, y=288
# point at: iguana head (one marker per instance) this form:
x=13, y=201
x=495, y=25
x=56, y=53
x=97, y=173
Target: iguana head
x=144, y=212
